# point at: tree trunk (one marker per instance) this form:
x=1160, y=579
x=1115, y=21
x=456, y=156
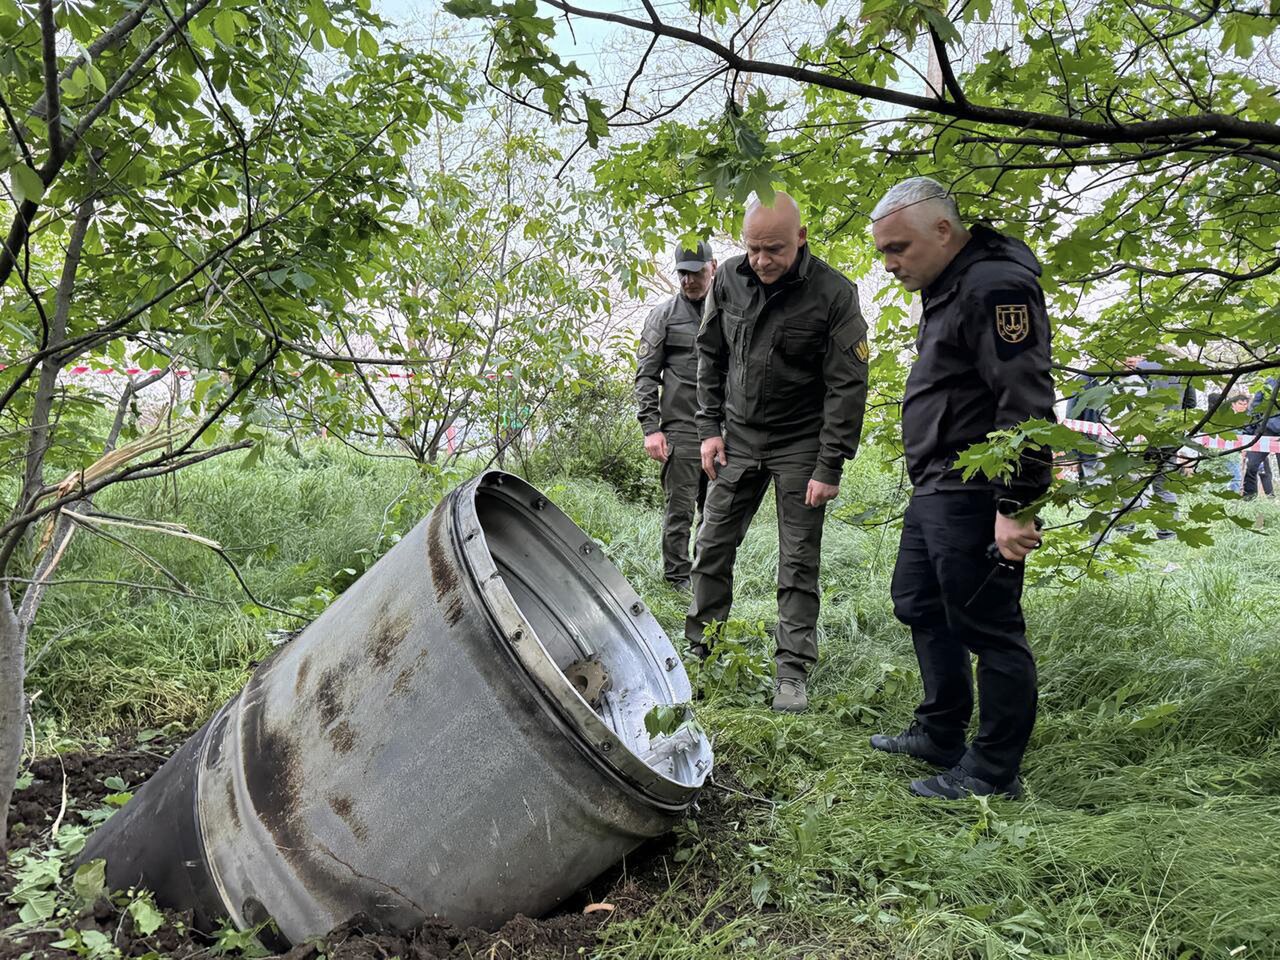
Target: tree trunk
x=12, y=706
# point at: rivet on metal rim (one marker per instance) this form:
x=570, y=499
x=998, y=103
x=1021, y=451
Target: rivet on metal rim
x=637, y=608
x=671, y=663
x=517, y=635
x=586, y=549
x=540, y=503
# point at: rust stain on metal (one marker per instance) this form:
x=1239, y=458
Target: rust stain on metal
x=343, y=737
x=401, y=686
x=344, y=807
x=388, y=634
x=329, y=695
x=444, y=573
x=304, y=668
x=273, y=780
x=276, y=792
x=232, y=807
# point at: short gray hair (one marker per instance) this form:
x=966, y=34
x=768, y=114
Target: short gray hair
x=927, y=193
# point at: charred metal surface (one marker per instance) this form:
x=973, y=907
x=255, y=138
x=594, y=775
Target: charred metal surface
x=345, y=808
x=328, y=694
x=343, y=737
x=403, y=683
x=216, y=736
x=304, y=670
x=389, y=632
x=444, y=567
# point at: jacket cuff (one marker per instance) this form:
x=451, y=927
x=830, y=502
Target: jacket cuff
x=1021, y=492
x=708, y=430
x=650, y=426
x=827, y=474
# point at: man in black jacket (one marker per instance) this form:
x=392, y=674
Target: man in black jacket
x=982, y=364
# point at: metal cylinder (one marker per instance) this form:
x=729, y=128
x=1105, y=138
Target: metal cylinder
x=460, y=735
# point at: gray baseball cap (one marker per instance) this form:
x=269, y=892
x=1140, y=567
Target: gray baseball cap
x=693, y=260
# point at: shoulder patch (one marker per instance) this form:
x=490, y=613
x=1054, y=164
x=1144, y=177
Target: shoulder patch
x=1013, y=321
x=1014, y=316
x=862, y=350
x=645, y=349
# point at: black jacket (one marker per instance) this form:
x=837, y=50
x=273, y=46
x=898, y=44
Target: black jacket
x=983, y=364
x=784, y=370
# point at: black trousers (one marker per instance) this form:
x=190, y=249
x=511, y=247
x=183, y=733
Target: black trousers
x=957, y=602
x=1257, y=469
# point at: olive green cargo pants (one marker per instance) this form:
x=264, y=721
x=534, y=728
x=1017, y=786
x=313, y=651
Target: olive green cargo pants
x=732, y=500
x=684, y=487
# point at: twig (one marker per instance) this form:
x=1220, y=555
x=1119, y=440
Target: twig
x=62, y=810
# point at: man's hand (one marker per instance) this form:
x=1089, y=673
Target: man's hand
x=713, y=453
x=819, y=494
x=1016, y=538
x=655, y=445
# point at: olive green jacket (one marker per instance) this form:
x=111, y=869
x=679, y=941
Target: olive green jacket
x=784, y=370
x=667, y=370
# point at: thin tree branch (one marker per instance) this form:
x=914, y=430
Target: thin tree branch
x=1137, y=132
x=49, y=54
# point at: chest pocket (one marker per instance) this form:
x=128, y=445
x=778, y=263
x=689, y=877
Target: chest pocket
x=804, y=345
x=680, y=350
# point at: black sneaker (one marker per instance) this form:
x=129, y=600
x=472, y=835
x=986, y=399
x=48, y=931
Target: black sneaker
x=957, y=783
x=681, y=585
x=914, y=742
x=699, y=650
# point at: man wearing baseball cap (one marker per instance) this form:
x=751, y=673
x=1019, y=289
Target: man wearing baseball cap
x=667, y=397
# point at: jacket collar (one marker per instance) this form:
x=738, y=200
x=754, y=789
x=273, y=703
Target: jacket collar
x=984, y=244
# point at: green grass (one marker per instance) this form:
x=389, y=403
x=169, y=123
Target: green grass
x=1152, y=827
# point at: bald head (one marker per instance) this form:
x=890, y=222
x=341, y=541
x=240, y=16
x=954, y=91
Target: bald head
x=773, y=236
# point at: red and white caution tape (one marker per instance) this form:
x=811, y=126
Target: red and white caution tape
x=1255, y=444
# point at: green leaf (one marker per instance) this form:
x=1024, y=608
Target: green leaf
x=90, y=881
x=37, y=906
x=26, y=183
x=96, y=77
x=760, y=889
x=224, y=25
x=145, y=916
x=943, y=27
x=1156, y=716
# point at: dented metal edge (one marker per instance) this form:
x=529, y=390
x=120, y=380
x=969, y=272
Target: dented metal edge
x=575, y=717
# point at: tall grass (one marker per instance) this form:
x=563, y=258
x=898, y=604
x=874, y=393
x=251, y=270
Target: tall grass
x=1151, y=829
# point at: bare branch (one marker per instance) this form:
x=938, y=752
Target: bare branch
x=49, y=52
x=1136, y=132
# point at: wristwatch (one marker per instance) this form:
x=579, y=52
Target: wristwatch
x=1007, y=507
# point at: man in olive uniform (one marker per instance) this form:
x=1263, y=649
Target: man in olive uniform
x=782, y=386
x=666, y=394
x=982, y=364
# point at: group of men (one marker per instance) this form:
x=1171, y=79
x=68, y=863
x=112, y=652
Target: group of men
x=756, y=374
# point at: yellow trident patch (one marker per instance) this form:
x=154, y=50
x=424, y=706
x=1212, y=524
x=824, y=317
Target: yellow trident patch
x=861, y=350
x=1013, y=322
